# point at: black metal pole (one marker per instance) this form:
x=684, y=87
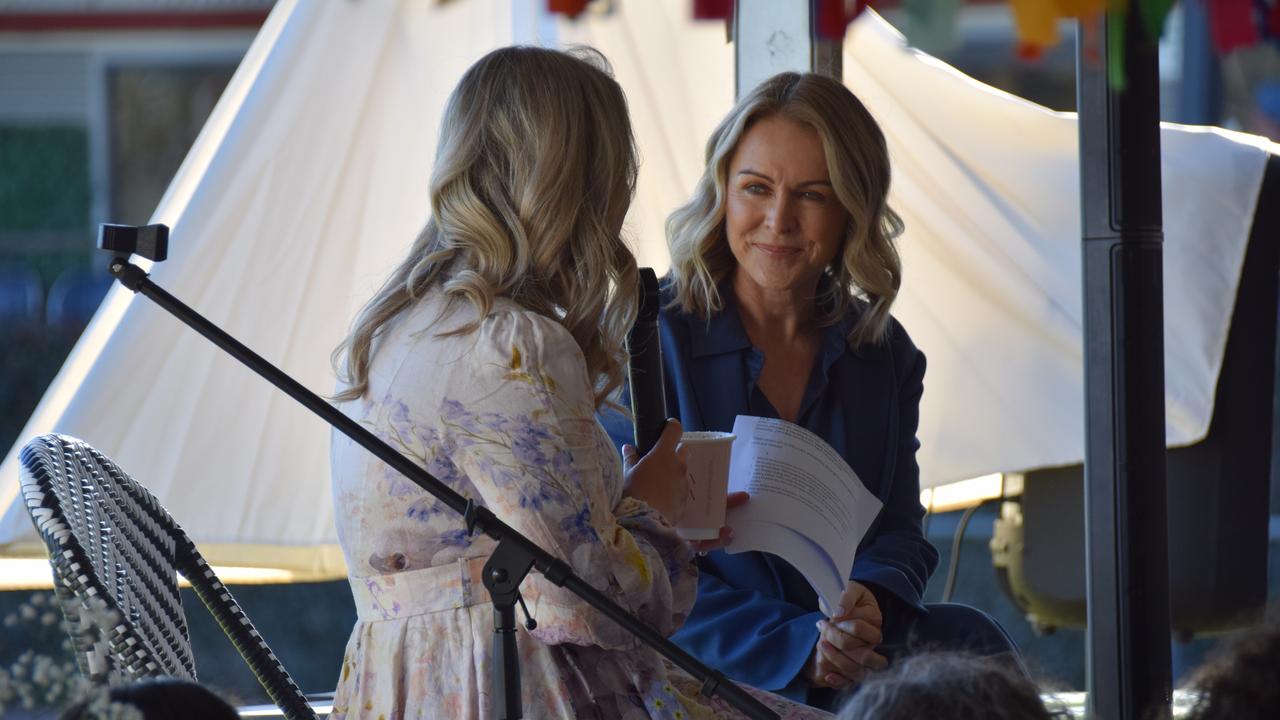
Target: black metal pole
x=515, y=553
x=1126, y=515
x=503, y=573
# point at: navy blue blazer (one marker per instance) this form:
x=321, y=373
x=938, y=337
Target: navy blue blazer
x=755, y=616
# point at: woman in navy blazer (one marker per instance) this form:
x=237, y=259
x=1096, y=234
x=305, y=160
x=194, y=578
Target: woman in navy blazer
x=777, y=305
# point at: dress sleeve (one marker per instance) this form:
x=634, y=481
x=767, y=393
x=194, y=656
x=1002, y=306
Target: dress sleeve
x=899, y=558
x=527, y=437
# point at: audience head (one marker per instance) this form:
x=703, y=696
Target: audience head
x=1242, y=681
x=156, y=699
x=864, y=262
x=534, y=172
x=947, y=685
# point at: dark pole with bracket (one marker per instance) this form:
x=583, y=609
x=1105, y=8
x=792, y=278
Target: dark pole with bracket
x=1126, y=517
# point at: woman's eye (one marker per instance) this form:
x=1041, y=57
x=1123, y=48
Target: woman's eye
x=815, y=196
x=756, y=189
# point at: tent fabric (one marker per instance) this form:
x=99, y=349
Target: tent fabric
x=988, y=186
x=309, y=181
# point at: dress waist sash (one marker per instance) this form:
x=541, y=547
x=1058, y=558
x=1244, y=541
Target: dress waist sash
x=418, y=592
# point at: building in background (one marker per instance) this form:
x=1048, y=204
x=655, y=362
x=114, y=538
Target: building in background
x=99, y=102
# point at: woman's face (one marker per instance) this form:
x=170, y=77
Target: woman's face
x=784, y=222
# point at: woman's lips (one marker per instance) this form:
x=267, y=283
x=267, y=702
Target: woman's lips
x=776, y=250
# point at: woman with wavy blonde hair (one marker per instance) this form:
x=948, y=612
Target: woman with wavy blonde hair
x=484, y=358
x=783, y=273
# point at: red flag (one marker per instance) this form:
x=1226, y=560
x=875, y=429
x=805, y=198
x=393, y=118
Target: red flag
x=1231, y=24
x=572, y=8
x=835, y=15
x=712, y=9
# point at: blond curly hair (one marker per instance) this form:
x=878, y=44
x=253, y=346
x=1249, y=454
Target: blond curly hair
x=535, y=170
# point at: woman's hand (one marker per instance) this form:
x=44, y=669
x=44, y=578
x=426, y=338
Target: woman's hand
x=846, y=645
x=733, y=500
x=660, y=478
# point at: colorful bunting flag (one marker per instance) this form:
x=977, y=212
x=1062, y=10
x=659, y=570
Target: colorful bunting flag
x=1036, y=21
x=712, y=9
x=833, y=17
x=1232, y=24
x=1036, y=25
x=931, y=24
x=572, y=8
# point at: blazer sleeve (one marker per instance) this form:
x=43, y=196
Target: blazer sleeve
x=617, y=421
x=898, y=559
x=756, y=639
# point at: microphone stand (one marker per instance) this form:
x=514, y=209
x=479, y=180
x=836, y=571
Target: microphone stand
x=514, y=555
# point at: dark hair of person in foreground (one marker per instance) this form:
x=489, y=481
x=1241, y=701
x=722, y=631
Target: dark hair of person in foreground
x=157, y=699
x=947, y=685
x=1242, y=681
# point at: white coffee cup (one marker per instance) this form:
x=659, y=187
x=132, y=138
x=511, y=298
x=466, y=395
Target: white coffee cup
x=708, y=469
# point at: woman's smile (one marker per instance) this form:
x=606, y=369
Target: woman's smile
x=775, y=250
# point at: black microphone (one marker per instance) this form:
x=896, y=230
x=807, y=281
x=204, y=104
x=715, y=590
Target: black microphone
x=645, y=381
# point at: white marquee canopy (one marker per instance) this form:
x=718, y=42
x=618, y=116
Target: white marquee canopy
x=309, y=181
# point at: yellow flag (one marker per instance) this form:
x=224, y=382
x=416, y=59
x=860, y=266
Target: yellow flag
x=1036, y=23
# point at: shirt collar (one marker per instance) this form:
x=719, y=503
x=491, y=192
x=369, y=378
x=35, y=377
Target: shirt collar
x=725, y=334
x=724, y=330
x=836, y=338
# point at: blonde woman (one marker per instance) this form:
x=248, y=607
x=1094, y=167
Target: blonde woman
x=485, y=357
x=782, y=278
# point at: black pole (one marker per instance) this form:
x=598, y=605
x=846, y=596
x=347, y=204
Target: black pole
x=503, y=573
x=1126, y=516
x=515, y=553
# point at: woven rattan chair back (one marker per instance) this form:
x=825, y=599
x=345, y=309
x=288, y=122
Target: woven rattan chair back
x=116, y=554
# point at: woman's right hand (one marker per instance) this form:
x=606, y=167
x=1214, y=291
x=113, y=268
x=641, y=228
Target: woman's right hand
x=660, y=478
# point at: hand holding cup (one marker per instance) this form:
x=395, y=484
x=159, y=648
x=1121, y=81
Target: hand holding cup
x=660, y=478
x=685, y=477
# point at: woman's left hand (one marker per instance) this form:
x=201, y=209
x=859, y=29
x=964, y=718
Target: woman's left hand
x=734, y=499
x=858, y=603
x=846, y=648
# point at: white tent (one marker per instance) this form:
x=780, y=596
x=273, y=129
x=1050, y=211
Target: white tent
x=309, y=181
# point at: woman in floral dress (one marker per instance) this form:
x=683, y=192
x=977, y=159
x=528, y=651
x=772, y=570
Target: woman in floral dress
x=485, y=357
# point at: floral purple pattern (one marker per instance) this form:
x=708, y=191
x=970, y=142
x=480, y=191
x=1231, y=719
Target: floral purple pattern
x=503, y=415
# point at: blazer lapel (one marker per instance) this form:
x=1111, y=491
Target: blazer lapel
x=718, y=370
x=869, y=410
x=720, y=387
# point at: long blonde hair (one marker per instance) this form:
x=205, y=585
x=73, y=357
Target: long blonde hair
x=534, y=172
x=867, y=264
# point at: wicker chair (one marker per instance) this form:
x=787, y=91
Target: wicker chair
x=115, y=553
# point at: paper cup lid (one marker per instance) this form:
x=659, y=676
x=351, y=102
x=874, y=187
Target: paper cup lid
x=705, y=436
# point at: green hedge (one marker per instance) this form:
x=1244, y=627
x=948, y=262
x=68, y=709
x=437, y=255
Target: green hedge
x=44, y=178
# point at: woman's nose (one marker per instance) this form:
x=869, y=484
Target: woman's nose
x=781, y=214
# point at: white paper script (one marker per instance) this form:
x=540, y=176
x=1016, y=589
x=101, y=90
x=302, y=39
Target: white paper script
x=807, y=505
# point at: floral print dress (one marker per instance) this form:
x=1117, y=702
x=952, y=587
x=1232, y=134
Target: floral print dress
x=504, y=415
